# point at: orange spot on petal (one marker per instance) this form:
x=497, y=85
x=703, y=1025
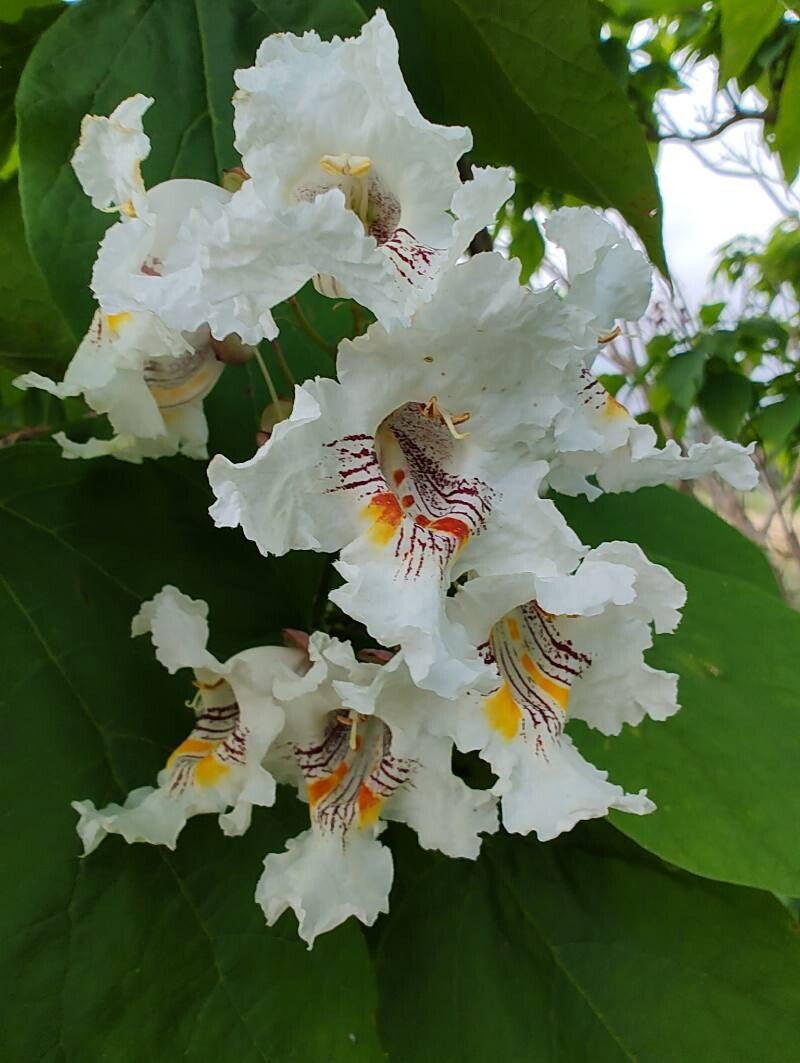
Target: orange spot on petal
x=451, y=526
x=369, y=806
x=319, y=788
x=385, y=514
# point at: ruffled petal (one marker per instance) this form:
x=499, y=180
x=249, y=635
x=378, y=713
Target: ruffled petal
x=108, y=156
x=325, y=882
x=445, y=813
x=550, y=791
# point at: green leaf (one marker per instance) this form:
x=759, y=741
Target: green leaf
x=639, y=9
x=181, y=52
x=137, y=953
x=16, y=41
x=527, y=244
x=529, y=81
x=584, y=948
x=745, y=24
x=33, y=334
x=682, y=375
x=722, y=766
x=787, y=127
x=725, y=399
x=777, y=422
x=658, y=518
x=711, y=313
x=13, y=10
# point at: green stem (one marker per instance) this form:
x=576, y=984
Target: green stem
x=262, y=365
x=281, y=357
x=308, y=328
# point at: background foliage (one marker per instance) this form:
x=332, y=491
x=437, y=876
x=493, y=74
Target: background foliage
x=677, y=942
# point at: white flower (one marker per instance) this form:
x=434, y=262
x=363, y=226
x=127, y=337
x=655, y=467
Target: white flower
x=131, y=271
x=217, y=768
x=413, y=465
x=573, y=642
x=596, y=436
x=349, y=185
x=346, y=765
x=148, y=379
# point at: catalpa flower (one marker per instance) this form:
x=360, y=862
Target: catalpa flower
x=348, y=768
x=217, y=768
x=349, y=186
x=412, y=465
x=148, y=379
x=131, y=271
x=596, y=436
x=573, y=643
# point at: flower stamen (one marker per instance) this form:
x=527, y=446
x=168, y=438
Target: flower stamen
x=434, y=412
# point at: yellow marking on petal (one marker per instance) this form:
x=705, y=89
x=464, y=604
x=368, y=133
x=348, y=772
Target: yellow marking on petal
x=613, y=407
x=346, y=165
x=116, y=321
x=558, y=692
x=199, y=383
x=369, y=806
x=127, y=208
x=385, y=514
x=189, y=748
x=513, y=627
x=209, y=771
x=503, y=713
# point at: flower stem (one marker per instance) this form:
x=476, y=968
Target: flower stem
x=262, y=365
x=308, y=328
x=281, y=357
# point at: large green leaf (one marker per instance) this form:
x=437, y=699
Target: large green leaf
x=745, y=24
x=672, y=525
x=16, y=41
x=136, y=953
x=181, y=52
x=529, y=81
x=585, y=949
x=723, y=770
x=787, y=127
x=32, y=332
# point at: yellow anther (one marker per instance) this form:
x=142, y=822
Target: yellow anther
x=607, y=337
x=434, y=412
x=350, y=719
x=346, y=165
x=208, y=686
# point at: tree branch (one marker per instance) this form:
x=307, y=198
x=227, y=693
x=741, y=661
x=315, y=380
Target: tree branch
x=697, y=138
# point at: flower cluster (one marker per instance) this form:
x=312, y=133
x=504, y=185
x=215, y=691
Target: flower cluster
x=424, y=467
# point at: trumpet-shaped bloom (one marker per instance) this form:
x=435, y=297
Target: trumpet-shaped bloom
x=349, y=186
x=572, y=643
x=217, y=768
x=131, y=272
x=596, y=437
x=346, y=766
x=148, y=379
x=413, y=465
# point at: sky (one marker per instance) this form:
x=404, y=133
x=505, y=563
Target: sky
x=703, y=209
